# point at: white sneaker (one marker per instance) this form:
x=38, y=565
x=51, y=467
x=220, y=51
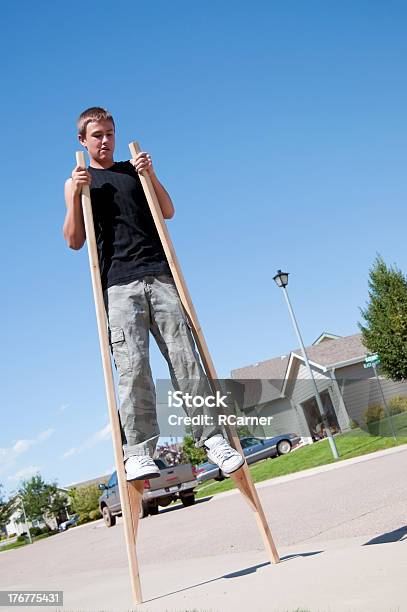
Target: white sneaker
x=140, y=467
x=223, y=455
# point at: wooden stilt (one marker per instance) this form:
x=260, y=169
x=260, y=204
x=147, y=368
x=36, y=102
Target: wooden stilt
x=131, y=493
x=242, y=476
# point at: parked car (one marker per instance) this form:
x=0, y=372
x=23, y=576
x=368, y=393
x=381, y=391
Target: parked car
x=207, y=471
x=69, y=523
x=175, y=482
x=254, y=449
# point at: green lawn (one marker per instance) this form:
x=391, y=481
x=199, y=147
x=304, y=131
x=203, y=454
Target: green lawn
x=383, y=427
x=351, y=444
x=13, y=545
x=19, y=544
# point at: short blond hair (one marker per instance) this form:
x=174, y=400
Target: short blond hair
x=94, y=113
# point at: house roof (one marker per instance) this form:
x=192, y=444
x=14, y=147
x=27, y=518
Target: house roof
x=324, y=337
x=336, y=351
x=271, y=369
x=330, y=352
x=87, y=483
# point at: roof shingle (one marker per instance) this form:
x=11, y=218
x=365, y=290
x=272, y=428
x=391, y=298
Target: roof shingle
x=325, y=354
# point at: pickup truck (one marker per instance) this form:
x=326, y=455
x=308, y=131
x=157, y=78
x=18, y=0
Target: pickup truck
x=175, y=482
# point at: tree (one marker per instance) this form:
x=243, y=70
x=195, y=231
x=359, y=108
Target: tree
x=35, y=495
x=243, y=430
x=85, y=499
x=58, y=505
x=7, y=508
x=41, y=498
x=191, y=453
x=385, y=319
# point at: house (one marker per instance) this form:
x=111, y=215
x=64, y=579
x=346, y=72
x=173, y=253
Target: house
x=16, y=524
x=281, y=387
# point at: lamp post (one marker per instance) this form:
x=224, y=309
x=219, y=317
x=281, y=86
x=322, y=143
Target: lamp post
x=25, y=521
x=281, y=280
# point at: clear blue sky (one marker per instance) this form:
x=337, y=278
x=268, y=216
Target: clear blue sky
x=278, y=128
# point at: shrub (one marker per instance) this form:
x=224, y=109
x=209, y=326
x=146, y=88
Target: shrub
x=83, y=518
x=94, y=515
x=191, y=453
x=36, y=531
x=21, y=538
x=375, y=412
x=45, y=529
x=85, y=499
x=397, y=404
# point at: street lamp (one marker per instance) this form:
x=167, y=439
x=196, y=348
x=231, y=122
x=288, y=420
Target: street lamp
x=25, y=521
x=281, y=280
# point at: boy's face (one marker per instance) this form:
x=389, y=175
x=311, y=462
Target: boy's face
x=99, y=140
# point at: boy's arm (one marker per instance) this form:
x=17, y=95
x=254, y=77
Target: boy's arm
x=143, y=163
x=74, y=226
x=164, y=200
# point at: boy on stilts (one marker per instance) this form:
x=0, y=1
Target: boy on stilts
x=140, y=297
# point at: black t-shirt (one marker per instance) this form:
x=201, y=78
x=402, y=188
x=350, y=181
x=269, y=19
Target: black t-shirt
x=128, y=243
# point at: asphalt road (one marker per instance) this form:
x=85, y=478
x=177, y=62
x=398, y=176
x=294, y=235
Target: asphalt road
x=365, y=500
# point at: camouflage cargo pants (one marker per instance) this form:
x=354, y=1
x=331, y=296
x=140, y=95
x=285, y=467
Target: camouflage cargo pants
x=152, y=304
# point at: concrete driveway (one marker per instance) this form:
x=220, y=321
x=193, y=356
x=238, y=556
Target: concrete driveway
x=341, y=532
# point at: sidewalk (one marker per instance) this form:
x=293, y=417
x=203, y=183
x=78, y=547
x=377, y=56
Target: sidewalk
x=339, y=576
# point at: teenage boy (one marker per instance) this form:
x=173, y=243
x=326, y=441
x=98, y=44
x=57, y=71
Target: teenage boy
x=139, y=295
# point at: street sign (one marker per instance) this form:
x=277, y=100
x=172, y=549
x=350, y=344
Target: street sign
x=371, y=360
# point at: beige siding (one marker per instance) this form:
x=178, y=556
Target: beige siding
x=286, y=418
x=303, y=388
x=360, y=389
x=304, y=375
